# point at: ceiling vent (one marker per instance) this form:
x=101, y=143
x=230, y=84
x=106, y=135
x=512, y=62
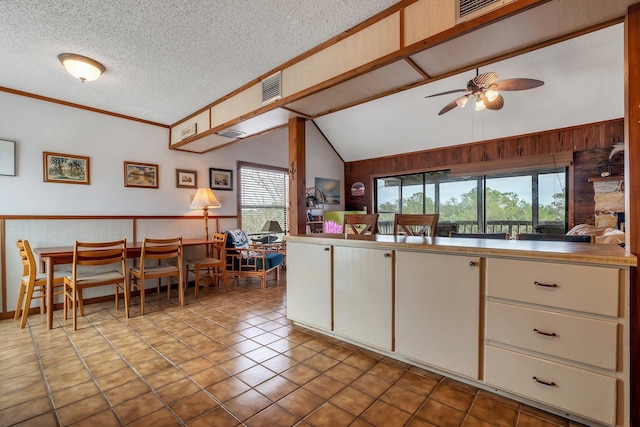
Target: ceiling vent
x=231, y=133
x=469, y=9
x=271, y=88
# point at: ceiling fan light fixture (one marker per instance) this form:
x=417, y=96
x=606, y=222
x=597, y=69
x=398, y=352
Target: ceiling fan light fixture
x=491, y=95
x=462, y=101
x=480, y=104
x=81, y=67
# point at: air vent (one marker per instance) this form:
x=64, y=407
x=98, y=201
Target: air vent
x=231, y=133
x=271, y=88
x=469, y=9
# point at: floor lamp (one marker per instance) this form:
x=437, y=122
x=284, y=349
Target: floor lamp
x=205, y=199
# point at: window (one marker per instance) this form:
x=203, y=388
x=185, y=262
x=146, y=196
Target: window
x=264, y=193
x=499, y=203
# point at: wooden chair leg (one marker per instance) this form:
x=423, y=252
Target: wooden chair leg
x=127, y=297
x=141, y=287
x=80, y=302
x=25, y=309
x=19, y=307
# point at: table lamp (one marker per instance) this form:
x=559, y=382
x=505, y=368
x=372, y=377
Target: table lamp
x=272, y=227
x=205, y=199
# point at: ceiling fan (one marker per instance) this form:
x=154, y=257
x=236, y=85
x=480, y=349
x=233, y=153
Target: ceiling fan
x=485, y=88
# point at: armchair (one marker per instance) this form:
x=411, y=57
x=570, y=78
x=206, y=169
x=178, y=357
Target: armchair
x=250, y=260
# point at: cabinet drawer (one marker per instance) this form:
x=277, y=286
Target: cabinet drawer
x=579, y=391
x=574, y=287
x=582, y=339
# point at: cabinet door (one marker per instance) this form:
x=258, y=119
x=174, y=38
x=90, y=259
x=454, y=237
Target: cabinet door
x=309, y=284
x=437, y=310
x=363, y=297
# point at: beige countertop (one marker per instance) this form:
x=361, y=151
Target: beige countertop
x=528, y=249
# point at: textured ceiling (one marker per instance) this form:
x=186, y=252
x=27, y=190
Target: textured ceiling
x=164, y=59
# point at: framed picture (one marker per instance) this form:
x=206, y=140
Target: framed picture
x=189, y=131
x=220, y=179
x=142, y=175
x=65, y=168
x=186, y=179
x=330, y=189
x=7, y=157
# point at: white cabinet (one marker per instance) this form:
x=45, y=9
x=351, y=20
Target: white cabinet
x=438, y=310
x=309, y=284
x=363, y=298
x=553, y=335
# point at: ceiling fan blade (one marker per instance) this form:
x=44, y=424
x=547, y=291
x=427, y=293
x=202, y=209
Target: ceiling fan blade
x=450, y=106
x=485, y=79
x=516, y=84
x=496, y=104
x=448, y=92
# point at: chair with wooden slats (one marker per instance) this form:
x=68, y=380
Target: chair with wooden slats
x=361, y=223
x=213, y=266
x=159, y=258
x=415, y=224
x=96, y=264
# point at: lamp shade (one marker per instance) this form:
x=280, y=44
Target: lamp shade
x=81, y=67
x=204, y=198
x=272, y=226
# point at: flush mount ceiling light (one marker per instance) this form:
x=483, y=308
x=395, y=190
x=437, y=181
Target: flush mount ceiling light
x=81, y=67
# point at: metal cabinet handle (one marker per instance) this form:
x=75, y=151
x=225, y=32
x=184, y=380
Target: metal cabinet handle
x=545, y=285
x=327, y=249
x=472, y=263
x=387, y=255
x=547, y=383
x=547, y=334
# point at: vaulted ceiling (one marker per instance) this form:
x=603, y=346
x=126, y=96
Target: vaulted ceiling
x=166, y=60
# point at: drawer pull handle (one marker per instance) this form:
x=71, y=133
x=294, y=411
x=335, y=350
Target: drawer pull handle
x=327, y=249
x=387, y=255
x=547, y=383
x=547, y=334
x=545, y=285
x=472, y=263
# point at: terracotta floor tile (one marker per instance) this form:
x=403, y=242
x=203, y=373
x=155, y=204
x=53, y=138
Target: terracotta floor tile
x=276, y=388
x=11, y=397
x=300, y=353
x=261, y=354
x=238, y=364
x=280, y=363
x=196, y=365
x=82, y=409
x=281, y=345
x=371, y=385
x=490, y=410
x=134, y=409
x=344, y=373
x=300, y=402
x=25, y=411
x=300, y=374
x=440, y=414
x=360, y=361
x=387, y=371
x=403, y=399
x=210, y=376
x=117, y=378
x=542, y=414
x=472, y=421
x=338, y=352
x=162, y=417
x=330, y=415
x=384, y=415
x=245, y=346
x=227, y=389
x=219, y=417
x=324, y=386
x=352, y=400
x=163, y=378
x=47, y=419
x=451, y=396
x=273, y=416
x=418, y=422
x=526, y=420
x=417, y=383
x=247, y=404
x=177, y=390
x=256, y=375
x=126, y=392
x=193, y=406
x=320, y=362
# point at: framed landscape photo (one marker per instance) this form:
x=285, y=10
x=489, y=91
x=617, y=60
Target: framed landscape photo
x=220, y=179
x=186, y=179
x=142, y=175
x=65, y=168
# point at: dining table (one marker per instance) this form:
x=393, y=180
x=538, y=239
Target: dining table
x=58, y=255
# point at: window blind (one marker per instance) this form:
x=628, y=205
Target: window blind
x=264, y=194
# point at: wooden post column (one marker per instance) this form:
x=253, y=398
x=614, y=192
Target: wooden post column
x=297, y=177
x=632, y=191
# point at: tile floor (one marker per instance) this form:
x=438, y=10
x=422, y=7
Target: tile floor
x=223, y=360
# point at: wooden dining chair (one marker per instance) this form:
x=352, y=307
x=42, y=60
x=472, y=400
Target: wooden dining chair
x=32, y=283
x=361, y=223
x=415, y=224
x=96, y=264
x=496, y=236
x=213, y=266
x=159, y=258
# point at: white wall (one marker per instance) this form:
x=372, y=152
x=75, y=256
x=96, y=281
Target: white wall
x=39, y=126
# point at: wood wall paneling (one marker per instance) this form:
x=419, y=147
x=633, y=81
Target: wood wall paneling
x=426, y=18
x=595, y=136
x=238, y=105
x=202, y=123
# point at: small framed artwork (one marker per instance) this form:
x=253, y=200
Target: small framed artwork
x=220, y=179
x=186, y=179
x=142, y=175
x=65, y=168
x=7, y=157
